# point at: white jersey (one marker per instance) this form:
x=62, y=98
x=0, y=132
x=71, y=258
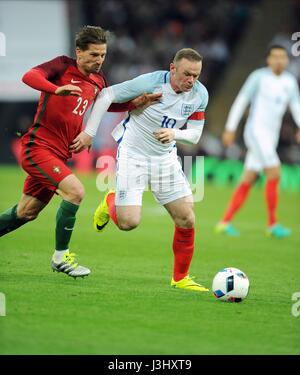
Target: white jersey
x=269, y=96
x=173, y=111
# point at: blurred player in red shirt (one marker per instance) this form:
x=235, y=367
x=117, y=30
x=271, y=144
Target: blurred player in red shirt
x=68, y=88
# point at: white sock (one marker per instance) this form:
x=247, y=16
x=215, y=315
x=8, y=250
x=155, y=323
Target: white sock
x=58, y=254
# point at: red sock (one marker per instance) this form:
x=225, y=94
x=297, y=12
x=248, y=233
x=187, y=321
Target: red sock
x=111, y=207
x=238, y=198
x=183, y=249
x=271, y=196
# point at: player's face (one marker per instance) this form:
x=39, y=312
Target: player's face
x=91, y=60
x=184, y=74
x=278, y=60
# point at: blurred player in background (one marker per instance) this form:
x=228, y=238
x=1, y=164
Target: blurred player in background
x=269, y=91
x=68, y=88
x=147, y=153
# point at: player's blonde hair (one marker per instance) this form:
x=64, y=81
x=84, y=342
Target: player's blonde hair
x=187, y=53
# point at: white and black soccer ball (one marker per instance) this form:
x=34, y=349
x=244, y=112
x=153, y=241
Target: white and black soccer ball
x=231, y=285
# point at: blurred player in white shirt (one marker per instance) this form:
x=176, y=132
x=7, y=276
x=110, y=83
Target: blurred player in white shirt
x=269, y=91
x=147, y=153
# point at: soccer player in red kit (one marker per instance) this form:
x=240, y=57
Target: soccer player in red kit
x=68, y=88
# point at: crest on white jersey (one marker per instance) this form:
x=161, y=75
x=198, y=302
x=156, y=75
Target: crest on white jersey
x=187, y=109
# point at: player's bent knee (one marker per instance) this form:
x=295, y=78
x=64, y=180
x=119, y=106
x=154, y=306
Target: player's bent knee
x=272, y=175
x=186, y=221
x=127, y=225
x=76, y=195
x=189, y=223
x=80, y=193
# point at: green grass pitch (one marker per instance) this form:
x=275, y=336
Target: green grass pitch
x=126, y=305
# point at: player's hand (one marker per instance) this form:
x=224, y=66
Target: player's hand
x=81, y=142
x=228, y=138
x=298, y=136
x=68, y=90
x=145, y=100
x=164, y=135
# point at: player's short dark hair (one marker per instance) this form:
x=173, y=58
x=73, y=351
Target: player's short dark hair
x=90, y=35
x=275, y=46
x=187, y=53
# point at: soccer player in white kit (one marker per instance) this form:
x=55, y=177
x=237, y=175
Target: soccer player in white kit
x=147, y=153
x=269, y=91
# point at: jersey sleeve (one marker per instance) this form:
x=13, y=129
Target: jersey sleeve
x=145, y=83
x=41, y=77
x=118, y=107
x=121, y=107
x=250, y=86
x=242, y=100
x=55, y=67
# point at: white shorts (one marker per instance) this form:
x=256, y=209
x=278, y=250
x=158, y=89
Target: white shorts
x=261, y=152
x=163, y=175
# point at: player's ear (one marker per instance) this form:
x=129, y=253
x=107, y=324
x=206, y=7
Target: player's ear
x=172, y=68
x=78, y=51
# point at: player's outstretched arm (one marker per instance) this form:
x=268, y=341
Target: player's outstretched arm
x=122, y=92
x=128, y=90
x=235, y=114
x=84, y=139
x=101, y=105
x=145, y=100
x=239, y=106
x=141, y=102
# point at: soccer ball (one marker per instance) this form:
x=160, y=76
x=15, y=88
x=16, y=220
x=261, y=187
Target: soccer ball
x=231, y=285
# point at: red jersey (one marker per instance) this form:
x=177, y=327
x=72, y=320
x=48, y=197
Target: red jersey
x=58, y=119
